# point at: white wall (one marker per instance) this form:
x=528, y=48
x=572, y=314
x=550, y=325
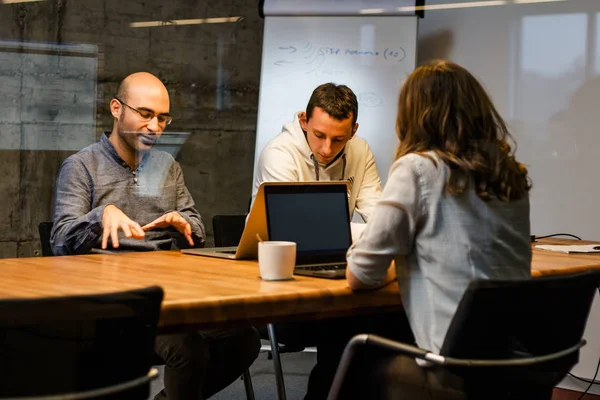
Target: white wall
x=541, y=64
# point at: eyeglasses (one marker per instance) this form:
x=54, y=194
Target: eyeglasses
x=148, y=115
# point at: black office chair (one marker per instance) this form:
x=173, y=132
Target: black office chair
x=44, y=229
x=80, y=347
x=227, y=230
x=508, y=339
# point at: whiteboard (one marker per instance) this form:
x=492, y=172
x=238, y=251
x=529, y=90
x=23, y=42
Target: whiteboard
x=371, y=55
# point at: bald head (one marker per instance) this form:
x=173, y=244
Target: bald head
x=140, y=82
x=141, y=112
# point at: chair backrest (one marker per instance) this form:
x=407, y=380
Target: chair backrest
x=78, y=343
x=45, y=228
x=228, y=229
x=494, y=320
x=521, y=318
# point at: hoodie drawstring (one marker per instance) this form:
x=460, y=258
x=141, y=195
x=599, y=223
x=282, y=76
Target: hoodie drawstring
x=316, y=165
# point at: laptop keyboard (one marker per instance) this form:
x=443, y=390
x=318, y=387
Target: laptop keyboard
x=329, y=267
x=228, y=251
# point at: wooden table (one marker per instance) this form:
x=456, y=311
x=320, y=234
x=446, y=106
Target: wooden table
x=209, y=292
x=546, y=262
x=199, y=291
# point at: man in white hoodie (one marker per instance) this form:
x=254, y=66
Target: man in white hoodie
x=320, y=144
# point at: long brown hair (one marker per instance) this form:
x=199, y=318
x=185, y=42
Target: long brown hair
x=443, y=108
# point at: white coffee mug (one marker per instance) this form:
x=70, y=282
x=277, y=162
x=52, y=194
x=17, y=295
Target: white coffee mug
x=276, y=260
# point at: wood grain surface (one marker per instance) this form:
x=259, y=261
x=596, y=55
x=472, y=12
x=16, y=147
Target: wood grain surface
x=210, y=292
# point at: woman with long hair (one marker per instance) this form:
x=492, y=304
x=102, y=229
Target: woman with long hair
x=455, y=207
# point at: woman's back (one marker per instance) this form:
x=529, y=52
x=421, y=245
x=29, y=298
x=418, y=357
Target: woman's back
x=458, y=238
x=456, y=204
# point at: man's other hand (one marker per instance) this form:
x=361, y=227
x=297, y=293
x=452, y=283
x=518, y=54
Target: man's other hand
x=114, y=219
x=175, y=220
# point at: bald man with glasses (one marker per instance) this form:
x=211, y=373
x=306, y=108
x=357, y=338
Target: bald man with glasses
x=121, y=194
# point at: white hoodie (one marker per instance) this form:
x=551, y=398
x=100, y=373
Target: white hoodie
x=288, y=158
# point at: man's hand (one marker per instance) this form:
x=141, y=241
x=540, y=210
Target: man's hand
x=175, y=220
x=114, y=219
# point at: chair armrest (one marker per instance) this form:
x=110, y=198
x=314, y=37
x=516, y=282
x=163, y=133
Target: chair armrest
x=402, y=348
x=152, y=374
x=416, y=352
x=514, y=361
x=392, y=346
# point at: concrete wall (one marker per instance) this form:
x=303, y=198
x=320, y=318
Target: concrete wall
x=211, y=71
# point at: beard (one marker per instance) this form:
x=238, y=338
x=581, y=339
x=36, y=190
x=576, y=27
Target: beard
x=136, y=139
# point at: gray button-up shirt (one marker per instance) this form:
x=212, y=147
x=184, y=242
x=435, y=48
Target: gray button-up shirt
x=96, y=176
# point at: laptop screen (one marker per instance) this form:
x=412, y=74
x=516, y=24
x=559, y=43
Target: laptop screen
x=316, y=217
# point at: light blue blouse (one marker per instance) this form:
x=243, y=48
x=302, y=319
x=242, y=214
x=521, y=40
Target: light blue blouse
x=440, y=242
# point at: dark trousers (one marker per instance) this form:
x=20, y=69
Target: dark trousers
x=334, y=334
x=200, y=364
x=381, y=375
x=378, y=374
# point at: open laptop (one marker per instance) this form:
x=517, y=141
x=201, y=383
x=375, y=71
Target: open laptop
x=247, y=249
x=316, y=216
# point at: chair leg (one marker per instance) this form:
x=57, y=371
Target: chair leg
x=248, y=385
x=276, y=362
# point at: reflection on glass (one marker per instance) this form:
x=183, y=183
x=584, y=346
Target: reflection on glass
x=48, y=97
x=552, y=63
